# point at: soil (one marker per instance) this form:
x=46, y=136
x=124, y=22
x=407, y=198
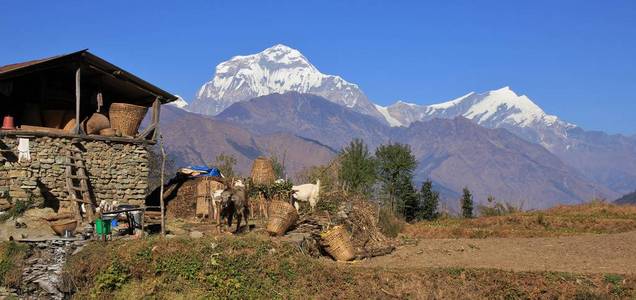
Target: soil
x=589, y=253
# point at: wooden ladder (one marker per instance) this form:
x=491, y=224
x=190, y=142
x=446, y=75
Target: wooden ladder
x=75, y=174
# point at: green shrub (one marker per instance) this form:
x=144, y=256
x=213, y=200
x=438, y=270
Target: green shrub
x=389, y=223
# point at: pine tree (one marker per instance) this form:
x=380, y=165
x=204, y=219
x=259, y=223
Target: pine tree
x=467, y=204
x=409, y=198
x=357, y=167
x=429, y=200
x=395, y=166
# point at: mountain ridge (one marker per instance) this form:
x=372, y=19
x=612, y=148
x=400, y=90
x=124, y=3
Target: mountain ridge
x=277, y=69
x=454, y=152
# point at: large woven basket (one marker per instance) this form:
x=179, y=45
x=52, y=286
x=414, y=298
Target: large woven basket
x=282, y=215
x=126, y=117
x=337, y=242
x=263, y=171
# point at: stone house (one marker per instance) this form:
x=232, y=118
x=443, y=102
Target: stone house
x=40, y=102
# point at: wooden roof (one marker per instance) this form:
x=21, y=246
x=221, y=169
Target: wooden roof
x=111, y=76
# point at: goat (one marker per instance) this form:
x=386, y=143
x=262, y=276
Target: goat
x=216, y=202
x=233, y=202
x=306, y=193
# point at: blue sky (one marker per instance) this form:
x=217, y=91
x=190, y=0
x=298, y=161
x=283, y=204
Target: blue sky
x=576, y=59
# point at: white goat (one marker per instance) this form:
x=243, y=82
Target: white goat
x=306, y=193
x=216, y=203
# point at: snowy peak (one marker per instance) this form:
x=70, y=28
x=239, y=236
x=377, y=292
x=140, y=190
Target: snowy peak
x=180, y=103
x=493, y=109
x=278, y=69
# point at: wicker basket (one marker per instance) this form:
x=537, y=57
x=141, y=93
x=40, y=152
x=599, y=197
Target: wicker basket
x=338, y=244
x=263, y=171
x=281, y=216
x=126, y=117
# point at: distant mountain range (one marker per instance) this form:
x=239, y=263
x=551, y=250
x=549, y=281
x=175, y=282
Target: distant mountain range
x=627, y=199
x=452, y=152
x=545, y=160
x=197, y=139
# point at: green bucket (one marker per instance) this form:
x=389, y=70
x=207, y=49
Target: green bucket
x=102, y=227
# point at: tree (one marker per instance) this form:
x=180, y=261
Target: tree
x=408, y=198
x=395, y=166
x=467, y=204
x=225, y=163
x=278, y=166
x=357, y=167
x=429, y=200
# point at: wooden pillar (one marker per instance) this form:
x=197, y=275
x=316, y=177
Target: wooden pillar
x=163, y=169
x=156, y=110
x=77, y=101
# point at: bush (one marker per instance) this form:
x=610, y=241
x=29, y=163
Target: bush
x=498, y=209
x=11, y=260
x=389, y=223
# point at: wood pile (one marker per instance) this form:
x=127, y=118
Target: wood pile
x=359, y=218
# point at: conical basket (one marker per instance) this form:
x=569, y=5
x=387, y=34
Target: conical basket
x=281, y=216
x=126, y=117
x=337, y=242
x=263, y=171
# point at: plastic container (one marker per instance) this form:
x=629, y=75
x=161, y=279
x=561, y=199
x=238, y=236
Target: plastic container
x=102, y=227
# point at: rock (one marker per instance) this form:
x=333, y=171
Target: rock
x=39, y=213
x=196, y=234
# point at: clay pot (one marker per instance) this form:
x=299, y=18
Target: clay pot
x=96, y=123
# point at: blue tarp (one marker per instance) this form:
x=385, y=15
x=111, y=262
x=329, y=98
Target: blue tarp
x=206, y=171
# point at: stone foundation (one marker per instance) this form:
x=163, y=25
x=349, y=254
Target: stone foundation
x=116, y=170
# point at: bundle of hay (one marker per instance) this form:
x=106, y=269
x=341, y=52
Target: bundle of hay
x=183, y=202
x=263, y=171
x=362, y=221
x=358, y=217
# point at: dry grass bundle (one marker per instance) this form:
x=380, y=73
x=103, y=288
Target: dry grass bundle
x=366, y=234
x=183, y=203
x=263, y=171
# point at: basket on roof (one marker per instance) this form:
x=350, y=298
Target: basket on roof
x=337, y=242
x=126, y=117
x=263, y=171
x=282, y=215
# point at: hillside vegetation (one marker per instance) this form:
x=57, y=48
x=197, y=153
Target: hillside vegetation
x=253, y=266
x=594, y=217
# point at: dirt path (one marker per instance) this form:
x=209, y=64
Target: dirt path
x=610, y=253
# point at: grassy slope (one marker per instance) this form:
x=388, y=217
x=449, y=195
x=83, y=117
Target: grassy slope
x=595, y=217
x=253, y=266
x=11, y=262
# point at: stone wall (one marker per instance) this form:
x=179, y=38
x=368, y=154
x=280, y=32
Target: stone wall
x=116, y=170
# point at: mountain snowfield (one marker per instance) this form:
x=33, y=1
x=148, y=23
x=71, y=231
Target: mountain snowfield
x=277, y=69
x=501, y=108
x=179, y=103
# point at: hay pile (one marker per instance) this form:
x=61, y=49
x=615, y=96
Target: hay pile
x=263, y=171
x=182, y=203
x=362, y=222
x=360, y=218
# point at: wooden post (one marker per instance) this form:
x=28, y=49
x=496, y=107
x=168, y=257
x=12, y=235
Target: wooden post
x=77, y=101
x=156, y=110
x=163, y=167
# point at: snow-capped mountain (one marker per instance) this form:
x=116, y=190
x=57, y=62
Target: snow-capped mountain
x=180, y=103
x=502, y=108
x=278, y=69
